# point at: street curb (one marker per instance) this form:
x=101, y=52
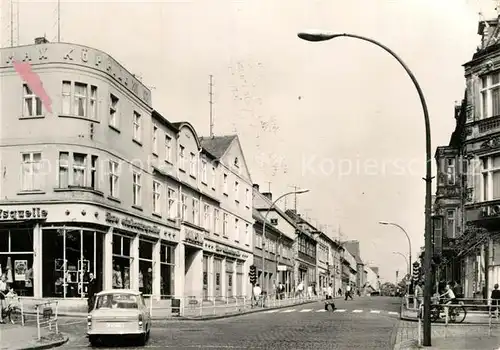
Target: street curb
x=50, y=345
x=218, y=317
x=441, y=324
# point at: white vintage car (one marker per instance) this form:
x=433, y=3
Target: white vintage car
x=119, y=312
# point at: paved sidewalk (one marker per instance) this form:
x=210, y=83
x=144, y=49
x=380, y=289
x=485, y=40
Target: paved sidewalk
x=457, y=336
x=17, y=337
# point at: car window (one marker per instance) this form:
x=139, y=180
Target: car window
x=117, y=301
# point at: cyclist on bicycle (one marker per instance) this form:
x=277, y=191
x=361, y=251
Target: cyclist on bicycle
x=449, y=296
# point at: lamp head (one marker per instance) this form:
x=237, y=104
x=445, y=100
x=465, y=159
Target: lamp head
x=315, y=35
x=302, y=191
x=383, y=223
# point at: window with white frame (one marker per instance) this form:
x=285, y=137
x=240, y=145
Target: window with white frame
x=216, y=221
x=247, y=234
x=451, y=223
x=63, y=169
x=155, y=139
x=204, y=171
x=206, y=218
x=490, y=177
x=113, y=179
x=168, y=148
x=182, y=158
x=79, y=99
x=236, y=191
x=450, y=171
x=184, y=207
x=31, y=171
x=136, y=188
x=225, y=184
x=490, y=95
x=172, y=204
x=248, y=198
x=196, y=211
x=79, y=169
x=224, y=225
x=113, y=111
x=137, y=127
x=237, y=229
x=214, y=178
x=156, y=197
x=258, y=241
x=192, y=166
x=93, y=172
x=32, y=103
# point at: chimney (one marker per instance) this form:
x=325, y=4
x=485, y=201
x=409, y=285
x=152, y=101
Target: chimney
x=256, y=187
x=268, y=195
x=41, y=40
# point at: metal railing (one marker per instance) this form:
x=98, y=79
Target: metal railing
x=46, y=317
x=166, y=306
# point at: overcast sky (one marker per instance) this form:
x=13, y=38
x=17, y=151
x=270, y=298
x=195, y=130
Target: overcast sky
x=340, y=118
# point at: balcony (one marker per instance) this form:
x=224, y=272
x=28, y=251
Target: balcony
x=483, y=127
x=448, y=191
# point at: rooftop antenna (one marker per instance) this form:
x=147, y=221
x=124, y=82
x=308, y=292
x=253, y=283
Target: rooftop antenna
x=211, y=101
x=268, y=186
x=18, y=23
x=58, y=21
x=11, y=23
x=295, y=188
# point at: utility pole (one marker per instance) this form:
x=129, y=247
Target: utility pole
x=58, y=21
x=11, y=23
x=211, y=101
x=295, y=188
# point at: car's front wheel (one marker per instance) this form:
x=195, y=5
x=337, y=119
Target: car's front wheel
x=94, y=341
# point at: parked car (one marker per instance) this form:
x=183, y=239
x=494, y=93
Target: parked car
x=119, y=312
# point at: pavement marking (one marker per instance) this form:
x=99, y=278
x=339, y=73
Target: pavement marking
x=375, y=312
x=305, y=310
x=271, y=311
x=286, y=311
x=340, y=310
x=321, y=310
x=357, y=311
x=393, y=313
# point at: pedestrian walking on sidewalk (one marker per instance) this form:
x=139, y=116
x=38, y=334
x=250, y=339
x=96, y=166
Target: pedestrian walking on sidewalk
x=495, y=299
x=92, y=291
x=348, y=292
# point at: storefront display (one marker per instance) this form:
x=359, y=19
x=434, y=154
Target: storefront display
x=167, y=270
x=69, y=255
x=122, y=261
x=217, y=277
x=16, y=258
x=229, y=277
x=239, y=279
x=146, y=266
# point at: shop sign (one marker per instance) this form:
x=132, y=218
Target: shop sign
x=193, y=236
x=282, y=268
x=78, y=55
x=227, y=250
x=27, y=214
x=131, y=224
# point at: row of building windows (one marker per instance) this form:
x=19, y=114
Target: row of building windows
x=78, y=170
x=307, y=247
x=80, y=99
x=272, y=247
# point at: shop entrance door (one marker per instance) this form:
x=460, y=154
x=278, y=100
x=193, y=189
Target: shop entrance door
x=205, y=277
x=217, y=277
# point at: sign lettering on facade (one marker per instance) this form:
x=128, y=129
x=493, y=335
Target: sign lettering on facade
x=193, y=236
x=68, y=53
x=132, y=224
x=25, y=214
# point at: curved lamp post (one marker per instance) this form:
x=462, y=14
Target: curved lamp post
x=309, y=36
x=407, y=236
x=406, y=259
x=264, y=228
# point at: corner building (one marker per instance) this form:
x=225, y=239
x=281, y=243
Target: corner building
x=99, y=184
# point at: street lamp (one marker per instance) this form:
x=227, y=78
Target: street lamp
x=321, y=36
x=264, y=228
x=407, y=236
x=406, y=259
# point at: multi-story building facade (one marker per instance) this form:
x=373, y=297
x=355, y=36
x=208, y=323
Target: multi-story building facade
x=276, y=247
x=335, y=263
x=353, y=247
x=328, y=261
x=349, y=270
x=305, y=269
x=467, y=207
x=95, y=181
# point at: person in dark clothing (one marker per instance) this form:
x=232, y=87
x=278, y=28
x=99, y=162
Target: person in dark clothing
x=495, y=299
x=92, y=291
x=458, y=290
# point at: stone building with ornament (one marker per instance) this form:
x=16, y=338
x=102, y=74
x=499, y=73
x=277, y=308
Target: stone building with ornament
x=467, y=204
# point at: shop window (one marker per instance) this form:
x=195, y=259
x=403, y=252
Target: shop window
x=146, y=267
x=239, y=279
x=121, y=261
x=205, y=277
x=70, y=257
x=229, y=278
x=16, y=259
x=167, y=270
x=217, y=277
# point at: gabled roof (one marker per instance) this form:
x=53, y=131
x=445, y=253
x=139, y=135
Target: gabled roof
x=353, y=248
x=217, y=145
x=261, y=199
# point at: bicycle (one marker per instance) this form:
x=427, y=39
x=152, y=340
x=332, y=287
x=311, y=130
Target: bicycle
x=11, y=311
x=456, y=314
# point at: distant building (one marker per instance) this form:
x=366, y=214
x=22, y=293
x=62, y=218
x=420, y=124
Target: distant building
x=353, y=247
